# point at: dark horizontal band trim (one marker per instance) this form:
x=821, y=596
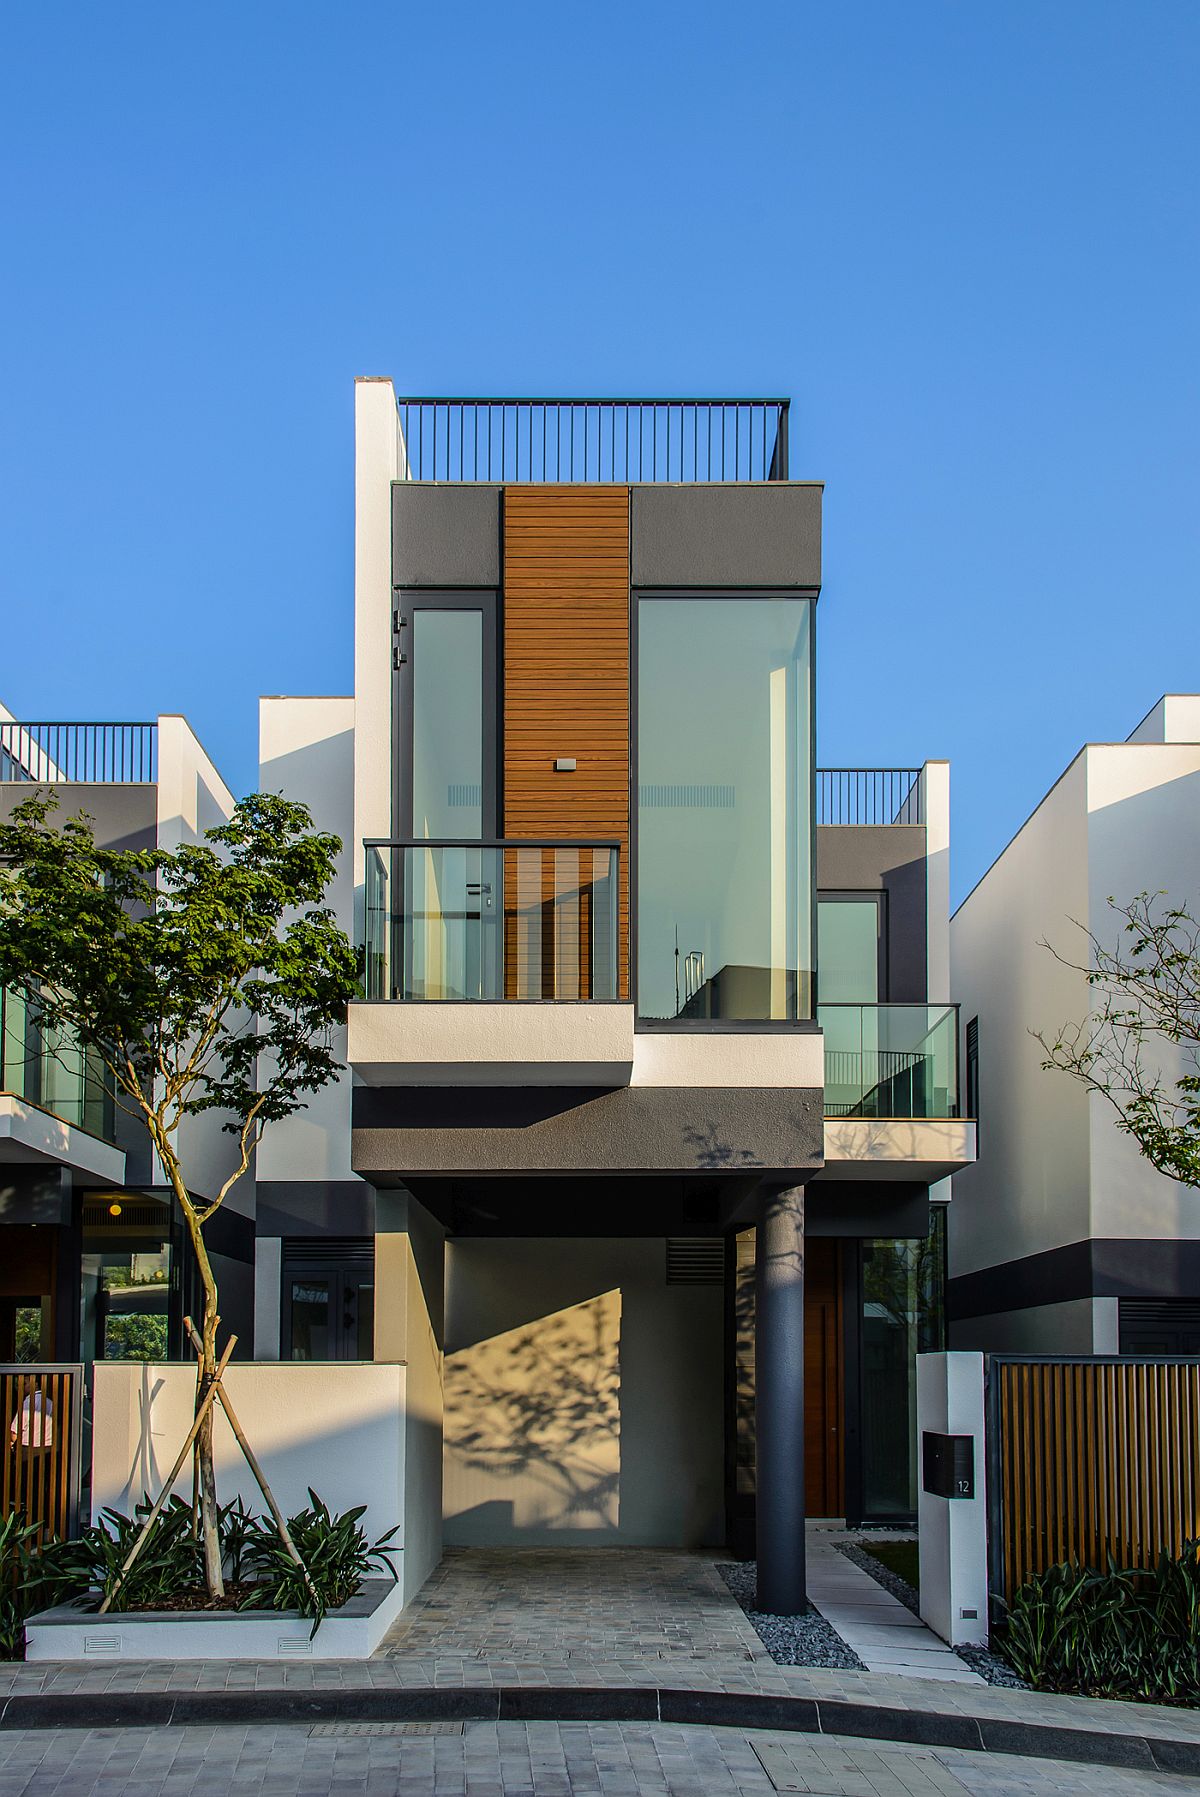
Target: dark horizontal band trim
x=1102, y=1267
x=622, y=1703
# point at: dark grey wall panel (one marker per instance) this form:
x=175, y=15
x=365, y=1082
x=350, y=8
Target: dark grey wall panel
x=315, y=1207
x=886, y=858
x=857, y=1207
x=726, y=536
x=124, y=815
x=445, y=536
x=639, y=1129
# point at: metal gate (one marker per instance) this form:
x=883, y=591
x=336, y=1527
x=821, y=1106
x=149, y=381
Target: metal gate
x=41, y=1414
x=1088, y=1457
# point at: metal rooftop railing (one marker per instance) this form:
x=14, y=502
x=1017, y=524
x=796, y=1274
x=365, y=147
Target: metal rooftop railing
x=52, y=753
x=870, y=795
x=595, y=440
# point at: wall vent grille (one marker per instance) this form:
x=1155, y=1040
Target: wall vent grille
x=695, y=1260
x=1159, y=1325
x=329, y=1250
x=687, y=798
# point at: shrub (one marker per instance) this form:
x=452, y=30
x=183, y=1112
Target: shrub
x=169, y=1562
x=335, y=1553
x=334, y=1549
x=1123, y=1632
x=18, y=1559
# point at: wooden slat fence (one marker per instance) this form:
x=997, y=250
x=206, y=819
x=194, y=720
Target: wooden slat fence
x=1090, y=1457
x=41, y=1410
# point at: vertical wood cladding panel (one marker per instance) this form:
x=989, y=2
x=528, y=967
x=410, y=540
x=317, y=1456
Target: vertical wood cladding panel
x=566, y=670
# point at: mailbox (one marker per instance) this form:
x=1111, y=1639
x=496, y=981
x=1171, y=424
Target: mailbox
x=948, y=1465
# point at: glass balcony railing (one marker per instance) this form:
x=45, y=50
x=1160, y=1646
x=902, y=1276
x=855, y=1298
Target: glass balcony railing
x=489, y=921
x=890, y=1060
x=46, y=1068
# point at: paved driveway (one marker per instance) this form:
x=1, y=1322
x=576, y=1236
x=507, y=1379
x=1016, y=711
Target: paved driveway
x=618, y=1608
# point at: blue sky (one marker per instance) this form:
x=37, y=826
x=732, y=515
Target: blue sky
x=962, y=237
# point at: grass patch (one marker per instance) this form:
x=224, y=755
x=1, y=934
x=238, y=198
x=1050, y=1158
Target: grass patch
x=901, y=1557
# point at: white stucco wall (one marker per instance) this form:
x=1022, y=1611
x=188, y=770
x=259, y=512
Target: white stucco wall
x=306, y=752
x=379, y=459
x=1029, y=1188
x=1143, y=836
x=410, y=1272
x=191, y=799
x=584, y=1396
x=335, y=1425
x=1053, y=1166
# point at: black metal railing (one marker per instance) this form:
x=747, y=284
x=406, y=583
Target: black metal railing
x=870, y=795
x=595, y=440
x=47, y=754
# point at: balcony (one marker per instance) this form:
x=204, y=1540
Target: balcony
x=50, y=1074
x=471, y=922
x=55, y=754
x=617, y=441
x=890, y=1061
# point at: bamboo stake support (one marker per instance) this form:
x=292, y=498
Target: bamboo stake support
x=285, y=1534
x=201, y=1412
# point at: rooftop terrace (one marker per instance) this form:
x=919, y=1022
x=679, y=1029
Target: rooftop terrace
x=617, y=441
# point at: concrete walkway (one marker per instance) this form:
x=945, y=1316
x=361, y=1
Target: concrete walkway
x=885, y=1636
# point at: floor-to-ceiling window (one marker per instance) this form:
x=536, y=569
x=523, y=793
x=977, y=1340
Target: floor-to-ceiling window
x=903, y=1283
x=724, y=808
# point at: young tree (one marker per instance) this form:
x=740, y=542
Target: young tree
x=1139, y=1046
x=204, y=978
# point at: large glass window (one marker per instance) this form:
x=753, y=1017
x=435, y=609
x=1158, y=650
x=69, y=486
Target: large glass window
x=903, y=1310
x=447, y=722
x=724, y=814
x=848, y=931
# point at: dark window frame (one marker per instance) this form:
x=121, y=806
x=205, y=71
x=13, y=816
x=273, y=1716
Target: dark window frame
x=879, y=898
x=713, y=1026
x=405, y=601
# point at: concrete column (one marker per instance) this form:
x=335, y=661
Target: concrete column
x=779, y=1401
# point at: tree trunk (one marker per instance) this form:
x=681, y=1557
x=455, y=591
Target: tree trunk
x=205, y=1481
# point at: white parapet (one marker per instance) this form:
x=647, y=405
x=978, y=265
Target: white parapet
x=953, y=1529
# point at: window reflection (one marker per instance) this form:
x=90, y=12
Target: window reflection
x=902, y=1316
x=724, y=860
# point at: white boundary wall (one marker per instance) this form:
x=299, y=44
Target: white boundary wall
x=337, y=1426
x=953, y=1531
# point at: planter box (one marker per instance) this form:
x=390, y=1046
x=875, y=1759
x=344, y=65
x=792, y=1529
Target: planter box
x=351, y=1633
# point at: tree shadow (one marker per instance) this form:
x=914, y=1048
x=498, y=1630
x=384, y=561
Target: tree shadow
x=533, y=1417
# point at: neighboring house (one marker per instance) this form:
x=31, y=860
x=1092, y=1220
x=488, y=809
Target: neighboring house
x=1063, y=1238
x=603, y=1029
x=92, y=1259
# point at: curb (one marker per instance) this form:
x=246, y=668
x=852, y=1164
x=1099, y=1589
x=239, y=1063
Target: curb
x=585, y=1703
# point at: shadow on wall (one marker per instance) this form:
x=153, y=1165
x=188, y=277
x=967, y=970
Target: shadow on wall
x=533, y=1427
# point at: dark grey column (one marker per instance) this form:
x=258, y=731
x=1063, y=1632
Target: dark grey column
x=779, y=1401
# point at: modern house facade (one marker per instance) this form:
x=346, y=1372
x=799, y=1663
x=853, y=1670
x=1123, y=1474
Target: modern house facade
x=640, y=1159
x=1062, y=1237
x=92, y=1260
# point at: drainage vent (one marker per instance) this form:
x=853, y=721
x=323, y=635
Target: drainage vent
x=695, y=1259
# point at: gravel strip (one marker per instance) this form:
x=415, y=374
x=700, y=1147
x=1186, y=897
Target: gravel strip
x=989, y=1666
x=806, y=1640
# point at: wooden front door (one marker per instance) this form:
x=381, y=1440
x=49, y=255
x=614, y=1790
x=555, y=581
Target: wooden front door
x=824, y=1485
x=824, y=1479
